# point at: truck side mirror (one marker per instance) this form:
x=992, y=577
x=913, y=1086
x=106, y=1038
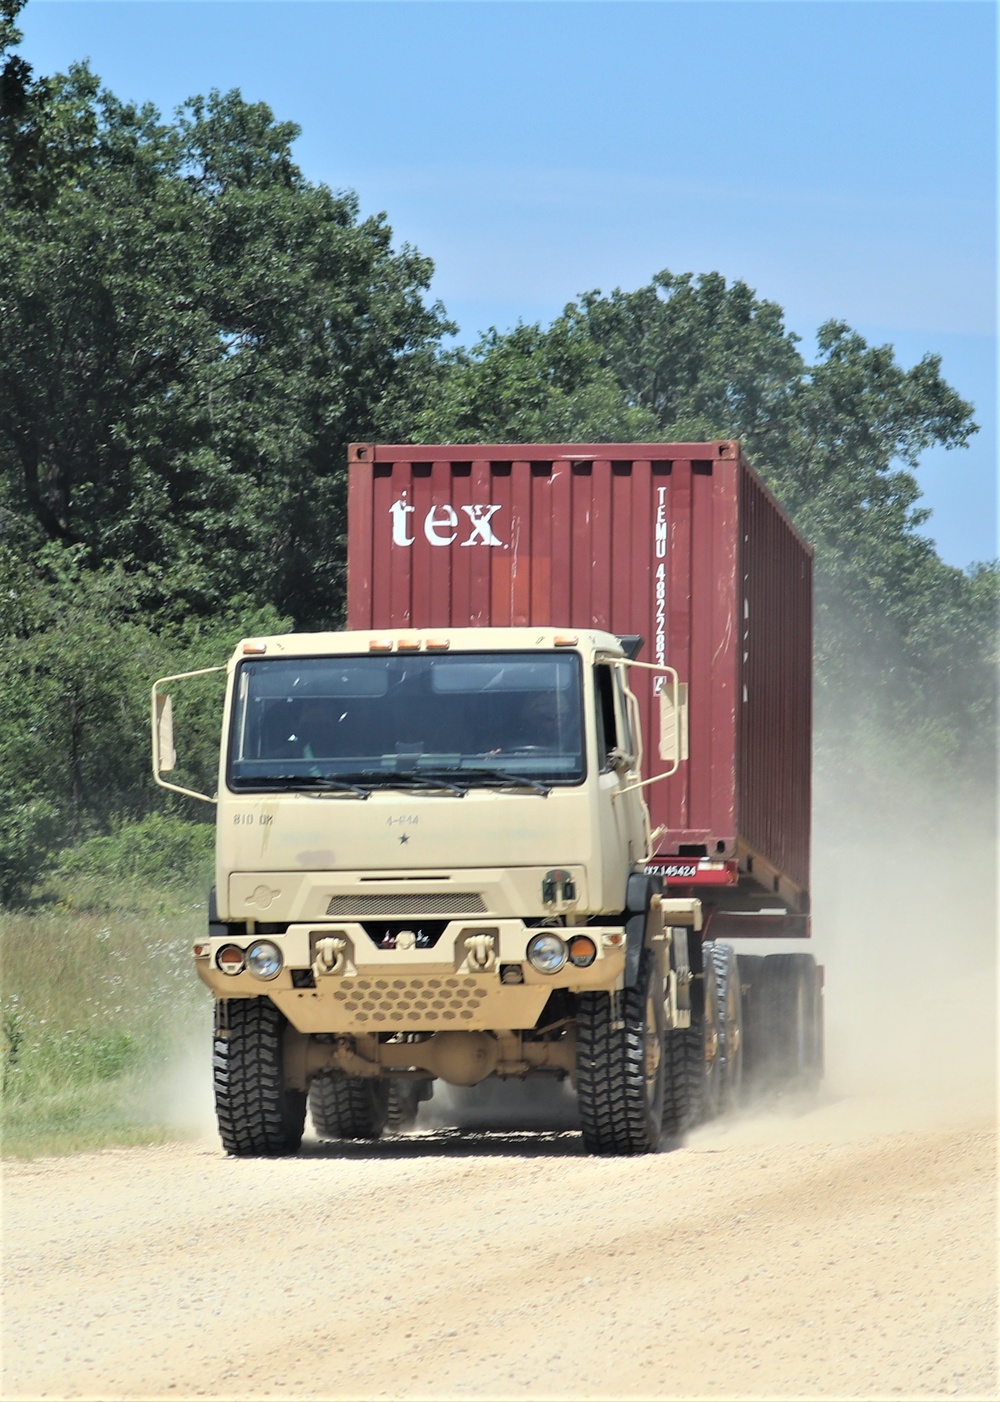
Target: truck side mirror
x=163, y=734
x=674, y=723
x=161, y=719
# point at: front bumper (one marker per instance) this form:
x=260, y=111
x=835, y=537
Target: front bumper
x=477, y=977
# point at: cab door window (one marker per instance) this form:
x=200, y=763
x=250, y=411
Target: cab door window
x=607, y=714
x=627, y=741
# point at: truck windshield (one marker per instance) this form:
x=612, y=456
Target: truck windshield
x=372, y=719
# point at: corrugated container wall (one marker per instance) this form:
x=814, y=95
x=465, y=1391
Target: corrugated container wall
x=678, y=542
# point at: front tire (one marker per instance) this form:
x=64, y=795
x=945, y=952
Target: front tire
x=257, y=1114
x=620, y=1061
x=348, y=1107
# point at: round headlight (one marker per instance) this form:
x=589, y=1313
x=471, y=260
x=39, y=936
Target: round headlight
x=264, y=959
x=546, y=953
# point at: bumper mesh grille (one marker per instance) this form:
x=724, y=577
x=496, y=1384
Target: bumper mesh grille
x=442, y=903
x=424, y=1002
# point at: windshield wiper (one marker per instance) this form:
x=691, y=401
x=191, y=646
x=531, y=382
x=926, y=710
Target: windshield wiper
x=426, y=779
x=503, y=778
x=321, y=782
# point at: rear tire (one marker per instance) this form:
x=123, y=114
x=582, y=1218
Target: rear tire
x=751, y=967
x=256, y=1113
x=791, y=1015
x=729, y=1003
x=405, y=1095
x=348, y=1107
x=621, y=1064
x=701, y=1049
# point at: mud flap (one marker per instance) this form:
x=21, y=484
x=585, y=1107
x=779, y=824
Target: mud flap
x=635, y=939
x=641, y=889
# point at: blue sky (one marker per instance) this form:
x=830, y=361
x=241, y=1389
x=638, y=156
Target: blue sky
x=838, y=156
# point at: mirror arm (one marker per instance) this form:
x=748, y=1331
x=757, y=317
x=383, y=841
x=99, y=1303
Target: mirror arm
x=663, y=669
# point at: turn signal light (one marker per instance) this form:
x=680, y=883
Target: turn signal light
x=231, y=959
x=582, y=951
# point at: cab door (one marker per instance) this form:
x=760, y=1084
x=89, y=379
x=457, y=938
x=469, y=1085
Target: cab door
x=623, y=817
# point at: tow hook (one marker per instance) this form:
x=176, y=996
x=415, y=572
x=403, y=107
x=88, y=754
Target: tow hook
x=481, y=949
x=329, y=956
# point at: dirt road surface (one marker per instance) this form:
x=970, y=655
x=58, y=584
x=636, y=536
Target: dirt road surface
x=846, y=1250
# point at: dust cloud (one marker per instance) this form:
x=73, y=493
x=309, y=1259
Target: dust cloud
x=540, y=1103
x=182, y=1096
x=905, y=927
x=905, y=920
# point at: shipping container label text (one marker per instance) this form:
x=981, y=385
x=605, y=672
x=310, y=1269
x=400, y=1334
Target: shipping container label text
x=660, y=588
x=441, y=524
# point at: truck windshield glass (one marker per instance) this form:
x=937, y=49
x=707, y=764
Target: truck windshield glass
x=372, y=719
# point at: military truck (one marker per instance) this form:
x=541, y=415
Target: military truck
x=435, y=857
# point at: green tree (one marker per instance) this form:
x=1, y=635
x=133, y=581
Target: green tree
x=707, y=359
x=75, y=674
x=191, y=334
x=529, y=386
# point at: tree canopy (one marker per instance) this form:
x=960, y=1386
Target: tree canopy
x=192, y=333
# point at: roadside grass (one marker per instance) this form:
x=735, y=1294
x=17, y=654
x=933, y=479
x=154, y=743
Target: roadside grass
x=101, y=1005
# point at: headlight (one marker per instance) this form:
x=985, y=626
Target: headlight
x=546, y=953
x=264, y=959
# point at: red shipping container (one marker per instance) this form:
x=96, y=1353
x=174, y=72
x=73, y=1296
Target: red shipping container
x=678, y=542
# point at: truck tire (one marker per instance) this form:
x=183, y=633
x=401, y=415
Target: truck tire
x=751, y=968
x=404, y=1100
x=729, y=1001
x=620, y=1064
x=348, y=1107
x=701, y=1049
x=256, y=1113
x=677, y=1053
x=790, y=1012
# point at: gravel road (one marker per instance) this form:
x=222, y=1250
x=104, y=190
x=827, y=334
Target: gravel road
x=841, y=1251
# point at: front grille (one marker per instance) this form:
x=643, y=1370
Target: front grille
x=415, y=904
x=431, y=1000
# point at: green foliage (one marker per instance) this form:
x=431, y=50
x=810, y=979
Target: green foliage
x=75, y=675
x=706, y=359
x=28, y=832
x=161, y=849
x=530, y=386
x=192, y=334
